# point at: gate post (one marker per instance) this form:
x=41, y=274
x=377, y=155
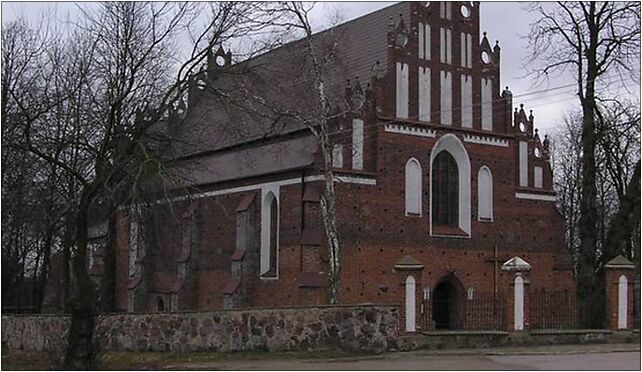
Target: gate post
x=619, y=293
x=518, y=294
x=409, y=271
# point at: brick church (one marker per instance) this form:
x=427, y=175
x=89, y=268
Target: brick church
x=443, y=183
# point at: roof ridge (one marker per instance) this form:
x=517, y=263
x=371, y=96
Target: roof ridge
x=317, y=34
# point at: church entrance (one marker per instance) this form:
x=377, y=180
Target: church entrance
x=444, y=307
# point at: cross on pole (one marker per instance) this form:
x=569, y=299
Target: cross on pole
x=495, y=260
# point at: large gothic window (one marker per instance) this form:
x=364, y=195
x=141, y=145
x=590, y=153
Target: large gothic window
x=445, y=190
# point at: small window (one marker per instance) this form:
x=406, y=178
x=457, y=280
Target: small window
x=465, y=11
x=160, y=305
x=537, y=152
x=337, y=156
x=413, y=188
x=485, y=57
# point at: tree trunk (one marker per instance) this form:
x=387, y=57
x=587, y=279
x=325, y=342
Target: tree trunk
x=43, y=277
x=328, y=207
x=65, y=285
x=80, y=349
x=109, y=286
x=588, y=284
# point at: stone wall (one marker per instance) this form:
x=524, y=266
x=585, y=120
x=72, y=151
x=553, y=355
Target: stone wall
x=34, y=333
x=367, y=328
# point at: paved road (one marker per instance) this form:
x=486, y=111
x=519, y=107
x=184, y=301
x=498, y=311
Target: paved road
x=582, y=360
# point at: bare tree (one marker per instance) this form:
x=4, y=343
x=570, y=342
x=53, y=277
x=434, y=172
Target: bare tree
x=33, y=204
x=617, y=150
x=594, y=41
x=98, y=117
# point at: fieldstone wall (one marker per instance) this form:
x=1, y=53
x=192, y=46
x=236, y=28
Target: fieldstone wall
x=367, y=328
x=35, y=333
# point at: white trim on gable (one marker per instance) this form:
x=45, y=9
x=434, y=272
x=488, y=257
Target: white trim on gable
x=290, y=181
x=411, y=131
x=490, y=141
x=523, y=195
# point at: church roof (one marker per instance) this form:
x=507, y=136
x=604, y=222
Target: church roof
x=281, y=79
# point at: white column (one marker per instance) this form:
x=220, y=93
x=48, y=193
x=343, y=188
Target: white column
x=446, y=97
x=519, y=304
x=466, y=101
x=538, y=177
x=622, y=302
x=449, y=47
x=424, y=94
x=357, y=144
x=469, y=54
x=523, y=164
x=462, y=46
x=427, y=52
x=487, y=104
x=410, y=304
x=442, y=45
x=421, y=40
x=402, y=90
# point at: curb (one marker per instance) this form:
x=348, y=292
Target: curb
x=490, y=352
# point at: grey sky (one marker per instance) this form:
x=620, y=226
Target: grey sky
x=504, y=21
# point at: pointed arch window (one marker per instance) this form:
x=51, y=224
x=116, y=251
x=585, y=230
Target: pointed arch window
x=274, y=232
x=413, y=188
x=445, y=190
x=269, y=236
x=485, y=194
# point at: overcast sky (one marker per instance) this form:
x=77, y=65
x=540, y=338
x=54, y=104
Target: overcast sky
x=507, y=22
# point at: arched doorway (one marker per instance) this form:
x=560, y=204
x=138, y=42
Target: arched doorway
x=444, y=306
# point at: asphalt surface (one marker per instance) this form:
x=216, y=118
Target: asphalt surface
x=577, y=357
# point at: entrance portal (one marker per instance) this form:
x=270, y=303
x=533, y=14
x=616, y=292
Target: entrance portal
x=444, y=306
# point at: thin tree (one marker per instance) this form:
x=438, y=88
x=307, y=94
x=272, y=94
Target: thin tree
x=317, y=118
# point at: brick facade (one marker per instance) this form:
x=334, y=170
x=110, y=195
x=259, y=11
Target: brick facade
x=216, y=262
